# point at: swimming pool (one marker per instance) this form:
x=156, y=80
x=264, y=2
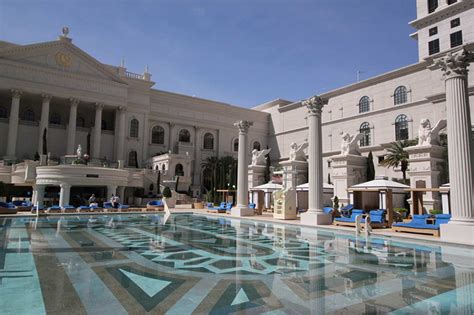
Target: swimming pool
x=188, y=264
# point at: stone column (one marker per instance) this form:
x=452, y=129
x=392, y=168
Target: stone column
x=197, y=158
x=242, y=208
x=121, y=133
x=38, y=194
x=315, y=214
x=71, y=128
x=44, y=122
x=97, y=131
x=170, y=137
x=460, y=153
x=146, y=138
x=13, y=124
x=111, y=190
x=64, y=194
x=121, y=193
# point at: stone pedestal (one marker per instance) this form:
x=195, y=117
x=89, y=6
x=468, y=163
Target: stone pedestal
x=425, y=164
x=294, y=173
x=256, y=175
x=347, y=170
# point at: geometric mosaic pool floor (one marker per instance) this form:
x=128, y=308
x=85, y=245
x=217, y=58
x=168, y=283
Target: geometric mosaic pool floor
x=191, y=264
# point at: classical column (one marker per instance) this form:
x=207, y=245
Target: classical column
x=39, y=194
x=71, y=128
x=170, y=137
x=97, y=130
x=460, y=154
x=242, y=209
x=64, y=194
x=121, y=133
x=315, y=214
x=111, y=190
x=13, y=124
x=146, y=137
x=121, y=193
x=197, y=156
x=44, y=121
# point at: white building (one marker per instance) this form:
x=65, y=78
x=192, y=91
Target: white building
x=59, y=87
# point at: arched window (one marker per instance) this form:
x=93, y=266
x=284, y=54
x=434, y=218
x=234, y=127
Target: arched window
x=184, y=136
x=157, y=135
x=134, y=128
x=208, y=141
x=365, y=131
x=28, y=115
x=103, y=124
x=163, y=167
x=55, y=119
x=3, y=112
x=132, y=159
x=235, y=145
x=80, y=122
x=400, y=95
x=401, y=127
x=364, y=104
x=178, y=170
x=207, y=178
x=256, y=146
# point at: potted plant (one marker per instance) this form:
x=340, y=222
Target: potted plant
x=402, y=211
x=435, y=211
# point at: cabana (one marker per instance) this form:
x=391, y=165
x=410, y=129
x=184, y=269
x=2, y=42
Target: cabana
x=302, y=195
x=268, y=190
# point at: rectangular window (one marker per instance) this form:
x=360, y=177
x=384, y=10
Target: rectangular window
x=452, y=1
x=456, y=39
x=433, y=47
x=433, y=31
x=381, y=158
x=432, y=5
x=455, y=22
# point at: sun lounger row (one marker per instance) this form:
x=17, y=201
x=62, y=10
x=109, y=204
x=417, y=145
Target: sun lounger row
x=377, y=218
x=423, y=224
x=222, y=208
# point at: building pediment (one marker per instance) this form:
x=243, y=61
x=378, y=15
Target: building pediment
x=60, y=55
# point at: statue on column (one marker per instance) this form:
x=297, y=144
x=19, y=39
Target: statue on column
x=350, y=144
x=297, y=151
x=428, y=135
x=258, y=157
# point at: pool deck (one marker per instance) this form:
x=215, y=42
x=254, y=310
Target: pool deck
x=265, y=217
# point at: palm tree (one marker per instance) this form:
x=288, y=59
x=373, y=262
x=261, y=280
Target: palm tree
x=211, y=163
x=397, y=156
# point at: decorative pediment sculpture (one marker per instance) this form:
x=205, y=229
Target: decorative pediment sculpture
x=350, y=144
x=297, y=151
x=258, y=157
x=428, y=135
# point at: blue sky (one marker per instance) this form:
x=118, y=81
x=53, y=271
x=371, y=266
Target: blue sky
x=242, y=52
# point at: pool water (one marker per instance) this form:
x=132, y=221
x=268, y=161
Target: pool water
x=190, y=264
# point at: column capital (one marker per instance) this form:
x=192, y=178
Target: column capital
x=65, y=185
x=455, y=64
x=99, y=106
x=46, y=97
x=122, y=109
x=172, y=124
x=16, y=93
x=243, y=125
x=314, y=104
x=74, y=101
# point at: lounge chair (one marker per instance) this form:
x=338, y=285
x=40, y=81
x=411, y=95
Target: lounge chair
x=94, y=208
x=348, y=221
x=83, y=209
x=122, y=207
x=377, y=218
x=8, y=208
x=346, y=210
x=220, y=209
x=22, y=205
x=252, y=205
x=54, y=209
x=69, y=208
x=155, y=205
x=419, y=225
x=41, y=209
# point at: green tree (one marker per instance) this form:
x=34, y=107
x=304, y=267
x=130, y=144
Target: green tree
x=397, y=156
x=167, y=192
x=370, y=167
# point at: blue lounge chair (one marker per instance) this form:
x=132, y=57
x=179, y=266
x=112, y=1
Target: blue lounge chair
x=83, y=209
x=155, y=205
x=252, y=205
x=220, y=209
x=349, y=221
x=69, y=208
x=54, y=208
x=377, y=218
x=346, y=210
x=419, y=224
x=7, y=208
x=22, y=205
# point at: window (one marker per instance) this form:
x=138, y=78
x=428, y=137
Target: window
x=400, y=95
x=134, y=128
x=433, y=31
x=401, y=127
x=432, y=5
x=208, y=141
x=452, y=1
x=103, y=124
x=236, y=145
x=433, y=47
x=364, y=104
x=178, y=170
x=381, y=158
x=80, y=122
x=456, y=39
x=365, y=131
x=157, y=135
x=28, y=115
x=455, y=23
x=184, y=136
x=256, y=145
x=55, y=119
x=132, y=159
x=3, y=112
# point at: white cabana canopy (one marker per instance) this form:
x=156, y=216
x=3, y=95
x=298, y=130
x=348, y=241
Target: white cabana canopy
x=268, y=187
x=305, y=187
x=382, y=183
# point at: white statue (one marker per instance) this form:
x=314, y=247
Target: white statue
x=258, y=157
x=297, y=151
x=428, y=135
x=79, y=151
x=350, y=144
